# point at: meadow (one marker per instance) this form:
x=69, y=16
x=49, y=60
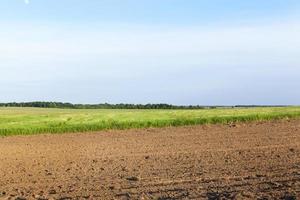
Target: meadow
x=24, y=121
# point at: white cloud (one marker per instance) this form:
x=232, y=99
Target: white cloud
x=270, y=44
x=26, y=1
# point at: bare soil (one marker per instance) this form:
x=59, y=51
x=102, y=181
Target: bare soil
x=257, y=160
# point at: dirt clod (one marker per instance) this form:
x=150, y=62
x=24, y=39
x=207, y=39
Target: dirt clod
x=132, y=178
x=52, y=191
x=20, y=198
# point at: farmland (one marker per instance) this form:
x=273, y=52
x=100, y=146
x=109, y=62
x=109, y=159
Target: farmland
x=228, y=153
x=24, y=121
x=253, y=160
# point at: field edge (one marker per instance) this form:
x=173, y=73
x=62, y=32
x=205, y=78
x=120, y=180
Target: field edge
x=123, y=125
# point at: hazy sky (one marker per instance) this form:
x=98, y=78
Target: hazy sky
x=150, y=51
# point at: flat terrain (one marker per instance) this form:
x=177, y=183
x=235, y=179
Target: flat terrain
x=238, y=161
x=24, y=121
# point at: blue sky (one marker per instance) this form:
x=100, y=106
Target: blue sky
x=150, y=51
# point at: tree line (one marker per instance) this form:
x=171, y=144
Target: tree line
x=41, y=104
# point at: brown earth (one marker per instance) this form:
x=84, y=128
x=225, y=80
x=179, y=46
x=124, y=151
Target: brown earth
x=258, y=160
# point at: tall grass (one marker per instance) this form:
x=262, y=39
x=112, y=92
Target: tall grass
x=25, y=121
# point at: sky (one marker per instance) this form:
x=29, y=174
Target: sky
x=200, y=52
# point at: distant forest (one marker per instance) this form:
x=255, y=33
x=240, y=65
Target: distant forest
x=40, y=104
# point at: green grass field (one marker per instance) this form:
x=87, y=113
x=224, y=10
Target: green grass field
x=23, y=121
